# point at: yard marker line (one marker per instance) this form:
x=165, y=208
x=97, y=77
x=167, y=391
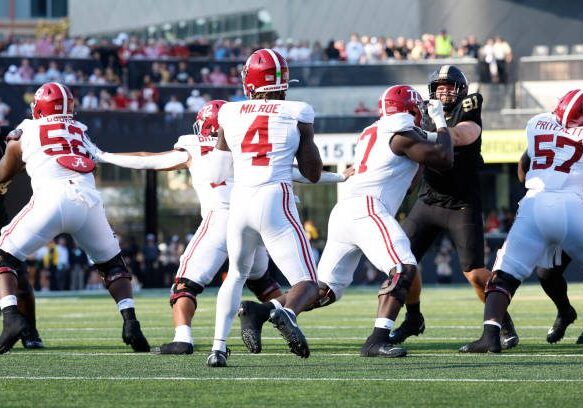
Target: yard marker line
x=282, y=379
x=306, y=326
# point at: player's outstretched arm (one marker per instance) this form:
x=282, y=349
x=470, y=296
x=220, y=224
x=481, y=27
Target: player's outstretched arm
x=523, y=166
x=11, y=162
x=221, y=163
x=326, y=177
x=170, y=160
x=309, y=161
x=438, y=155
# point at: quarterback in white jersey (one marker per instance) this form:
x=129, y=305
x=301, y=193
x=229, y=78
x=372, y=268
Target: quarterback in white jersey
x=207, y=250
x=58, y=156
x=549, y=216
x=260, y=139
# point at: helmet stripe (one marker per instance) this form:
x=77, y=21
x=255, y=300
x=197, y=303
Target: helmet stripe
x=277, y=66
x=383, y=100
x=443, y=71
x=65, y=98
x=572, y=102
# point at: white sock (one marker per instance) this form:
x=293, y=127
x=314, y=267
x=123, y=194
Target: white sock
x=220, y=345
x=493, y=323
x=228, y=300
x=276, y=304
x=183, y=334
x=125, y=304
x=6, y=301
x=384, y=323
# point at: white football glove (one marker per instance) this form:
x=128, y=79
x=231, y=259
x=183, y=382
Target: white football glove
x=435, y=111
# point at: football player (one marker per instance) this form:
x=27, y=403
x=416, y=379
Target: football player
x=449, y=200
x=207, y=249
x=549, y=215
x=259, y=139
x=387, y=157
x=57, y=154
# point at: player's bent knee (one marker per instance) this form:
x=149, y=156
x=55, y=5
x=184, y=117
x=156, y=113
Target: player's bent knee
x=185, y=288
x=398, y=283
x=9, y=263
x=504, y=283
x=265, y=288
x=113, y=270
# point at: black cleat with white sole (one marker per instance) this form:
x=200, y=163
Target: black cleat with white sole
x=508, y=336
x=132, y=335
x=252, y=315
x=374, y=347
x=413, y=325
x=557, y=332
x=285, y=322
x=218, y=358
x=13, y=326
x=488, y=343
x=176, y=347
x=31, y=339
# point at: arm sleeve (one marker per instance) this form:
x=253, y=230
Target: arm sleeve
x=326, y=177
x=155, y=162
x=220, y=166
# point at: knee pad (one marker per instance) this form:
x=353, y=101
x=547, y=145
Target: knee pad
x=504, y=283
x=264, y=287
x=326, y=297
x=9, y=263
x=113, y=270
x=398, y=283
x=184, y=287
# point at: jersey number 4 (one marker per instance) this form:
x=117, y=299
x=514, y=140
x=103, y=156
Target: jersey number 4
x=259, y=128
x=549, y=154
x=62, y=145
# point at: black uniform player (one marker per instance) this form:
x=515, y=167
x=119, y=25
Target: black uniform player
x=24, y=292
x=449, y=200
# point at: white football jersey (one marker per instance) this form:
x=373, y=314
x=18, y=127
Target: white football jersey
x=44, y=140
x=380, y=173
x=264, y=138
x=555, y=156
x=212, y=196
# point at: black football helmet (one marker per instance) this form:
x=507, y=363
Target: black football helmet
x=449, y=74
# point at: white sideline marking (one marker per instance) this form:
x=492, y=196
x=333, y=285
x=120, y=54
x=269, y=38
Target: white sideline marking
x=244, y=354
x=276, y=379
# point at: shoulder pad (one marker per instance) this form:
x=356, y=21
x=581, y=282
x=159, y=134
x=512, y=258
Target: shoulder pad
x=14, y=135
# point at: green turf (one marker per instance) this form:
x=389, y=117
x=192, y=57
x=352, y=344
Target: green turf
x=85, y=363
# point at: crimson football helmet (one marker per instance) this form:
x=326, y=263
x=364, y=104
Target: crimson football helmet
x=52, y=98
x=207, y=118
x=265, y=71
x=569, y=110
x=401, y=98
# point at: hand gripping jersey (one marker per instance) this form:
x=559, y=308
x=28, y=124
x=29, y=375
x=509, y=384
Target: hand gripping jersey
x=459, y=186
x=555, y=154
x=263, y=137
x=212, y=196
x=47, y=141
x=380, y=173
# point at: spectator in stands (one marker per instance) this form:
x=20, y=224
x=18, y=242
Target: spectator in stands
x=149, y=105
x=69, y=76
x=120, y=100
x=194, y=102
x=493, y=223
x=149, y=91
x=105, y=101
x=11, y=76
x=281, y=48
x=444, y=47
x=487, y=55
x=25, y=70
x=317, y=52
x=205, y=78
x=237, y=96
x=4, y=112
x=222, y=50
x=362, y=109
x=80, y=49
x=401, y=50
x=14, y=49
x=389, y=48
x=355, y=50
x=429, y=45
x=417, y=51
x=78, y=263
x=234, y=77
x=331, y=53
x=503, y=57
x=154, y=73
x=173, y=108
x=182, y=75
x=44, y=47
x=134, y=101
x=165, y=74
x=218, y=77
x=111, y=77
x=97, y=77
x=90, y=101
x=473, y=48
x=151, y=255
x=53, y=72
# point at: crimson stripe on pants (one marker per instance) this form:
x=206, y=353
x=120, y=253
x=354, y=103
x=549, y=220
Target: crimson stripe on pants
x=384, y=231
x=306, y=249
x=16, y=220
x=204, y=228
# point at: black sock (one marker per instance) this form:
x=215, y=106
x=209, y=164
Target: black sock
x=128, y=314
x=413, y=308
x=9, y=310
x=264, y=309
x=381, y=333
x=491, y=330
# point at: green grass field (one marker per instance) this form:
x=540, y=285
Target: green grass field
x=86, y=364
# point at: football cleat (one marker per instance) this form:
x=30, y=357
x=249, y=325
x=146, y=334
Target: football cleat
x=13, y=326
x=413, y=325
x=508, y=336
x=373, y=347
x=251, y=325
x=286, y=324
x=557, y=332
x=218, y=358
x=31, y=339
x=485, y=344
x=132, y=335
x=176, y=347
